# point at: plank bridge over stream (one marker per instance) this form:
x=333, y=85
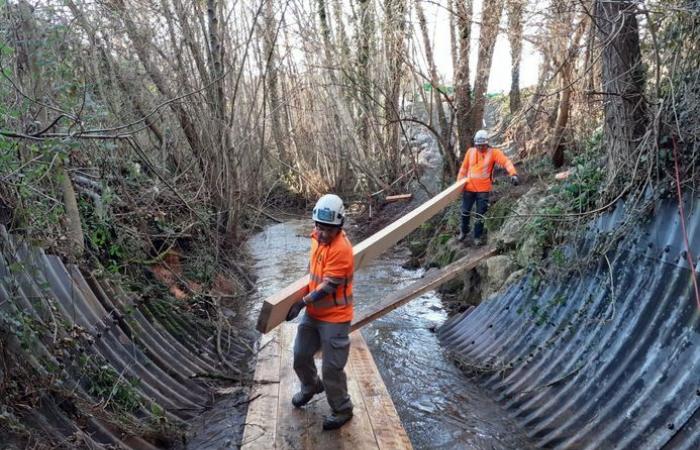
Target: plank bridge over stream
x=273, y=423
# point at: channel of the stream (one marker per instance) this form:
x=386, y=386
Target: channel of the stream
x=438, y=405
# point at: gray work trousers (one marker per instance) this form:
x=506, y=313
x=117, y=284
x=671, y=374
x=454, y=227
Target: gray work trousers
x=334, y=342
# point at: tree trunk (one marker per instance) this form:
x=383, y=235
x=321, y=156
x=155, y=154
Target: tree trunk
x=271, y=72
x=490, y=18
x=534, y=106
x=342, y=35
x=515, y=37
x=215, y=60
x=463, y=93
x=445, y=127
x=70, y=202
x=454, y=49
x=622, y=82
x=363, y=82
x=342, y=167
x=558, y=143
x=395, y=11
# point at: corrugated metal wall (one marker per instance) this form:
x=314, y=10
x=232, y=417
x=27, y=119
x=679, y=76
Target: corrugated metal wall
x=142, y=342
x=605, y=358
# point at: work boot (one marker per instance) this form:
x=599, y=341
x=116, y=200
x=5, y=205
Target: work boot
x=300, y=399
x=337, y=420
x=462, y=236
x=479, y=242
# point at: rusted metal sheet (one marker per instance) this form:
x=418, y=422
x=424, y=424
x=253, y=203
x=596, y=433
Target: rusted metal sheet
x=122, y=334
x=605, y=358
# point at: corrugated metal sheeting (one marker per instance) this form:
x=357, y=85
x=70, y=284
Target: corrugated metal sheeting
x=606, y=358
x=156, y=348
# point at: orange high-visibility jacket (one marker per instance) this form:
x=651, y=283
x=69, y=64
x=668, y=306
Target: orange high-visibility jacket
x=478, y=168
x=333, y=262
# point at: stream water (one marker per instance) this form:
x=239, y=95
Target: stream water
x=439, y=406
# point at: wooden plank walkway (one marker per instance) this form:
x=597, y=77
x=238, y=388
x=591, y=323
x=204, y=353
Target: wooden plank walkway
x=273, y=423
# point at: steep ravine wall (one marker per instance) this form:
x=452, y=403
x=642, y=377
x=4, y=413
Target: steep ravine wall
x=76, y=343
x=605, y=358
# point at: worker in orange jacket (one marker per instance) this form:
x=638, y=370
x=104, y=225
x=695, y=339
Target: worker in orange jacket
x=329, y=310
x=477, y=168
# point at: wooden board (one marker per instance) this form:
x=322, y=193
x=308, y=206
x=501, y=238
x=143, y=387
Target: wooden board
x=261, y=421
x=273, y=423
x=274, y=309
x=386, y=425
x=397, y=198
x=292, y=423
x=431, y=281
x=356, y=434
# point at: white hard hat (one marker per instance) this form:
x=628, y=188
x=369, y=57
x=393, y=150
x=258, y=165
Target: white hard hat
x=329, y=209
x=481, y=137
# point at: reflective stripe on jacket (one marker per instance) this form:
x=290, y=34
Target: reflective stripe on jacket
x=478, y=168
x=334, y=263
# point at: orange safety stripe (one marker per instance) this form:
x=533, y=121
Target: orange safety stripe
x=329, y=302
x=335, y=280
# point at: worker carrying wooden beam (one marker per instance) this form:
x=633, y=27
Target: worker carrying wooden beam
x=329, y=309
x=477, y=168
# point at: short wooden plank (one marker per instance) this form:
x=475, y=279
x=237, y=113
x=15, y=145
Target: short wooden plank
x=261, y=421
x=428, y=283
x=397, y=198
x=274, y=309
x=292, y=423
x=386, y=425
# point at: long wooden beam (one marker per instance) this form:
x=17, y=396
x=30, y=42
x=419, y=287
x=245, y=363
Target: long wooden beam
x=431, y=281
x=274, y=309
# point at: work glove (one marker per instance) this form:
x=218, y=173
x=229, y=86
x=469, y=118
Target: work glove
x=514, y=179
x=295, y=310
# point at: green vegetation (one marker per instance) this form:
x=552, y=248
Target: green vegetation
x=564, y=208
x=497, y=214
x=112, y=389
x=35, y=213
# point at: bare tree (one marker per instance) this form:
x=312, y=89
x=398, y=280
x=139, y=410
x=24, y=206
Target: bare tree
x=445, y=126
x=515, y=38
x=394, y=26
x=365, y=31
x=464, y=10
x=454, y=49
x=571, y=44
x=490, y=19
x=272, y=72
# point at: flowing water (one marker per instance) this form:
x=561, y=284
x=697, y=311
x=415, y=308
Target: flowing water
x=438, y=405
